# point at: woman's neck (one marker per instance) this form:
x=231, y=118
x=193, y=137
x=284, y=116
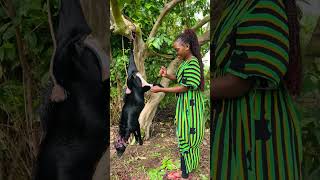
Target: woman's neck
x=188, y=57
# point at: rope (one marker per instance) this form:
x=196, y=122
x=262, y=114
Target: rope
x=58, y=93
x=123, y=54
x=125, y=66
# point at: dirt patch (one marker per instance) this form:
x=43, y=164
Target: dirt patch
x=137, y=160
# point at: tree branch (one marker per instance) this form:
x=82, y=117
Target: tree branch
x=121, y=25
x=53, y=41
x=163, y=13
x=3, y=4
x=166, y=56
x=217, y=8
x=204, y=38
x=201, y=23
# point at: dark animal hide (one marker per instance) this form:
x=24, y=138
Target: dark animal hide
x=133, y=105
x=76, y=129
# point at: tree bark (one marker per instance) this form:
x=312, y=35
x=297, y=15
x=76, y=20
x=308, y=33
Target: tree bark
x=170, y=5
x=103, y=167
x=97, y=13
x=201, y=23
x=216, y=11
x=150, y=108
x=97, y=16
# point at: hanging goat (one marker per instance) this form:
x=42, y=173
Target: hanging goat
x=133, y=105
x=76, y=124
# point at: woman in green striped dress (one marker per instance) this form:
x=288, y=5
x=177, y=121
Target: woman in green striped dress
x=190, y=105
x=256, y=68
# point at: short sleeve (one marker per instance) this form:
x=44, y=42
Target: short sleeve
x=262, y=45
x=191, y=75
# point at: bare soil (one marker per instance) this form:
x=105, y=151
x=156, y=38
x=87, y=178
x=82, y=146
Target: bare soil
x=138, y=160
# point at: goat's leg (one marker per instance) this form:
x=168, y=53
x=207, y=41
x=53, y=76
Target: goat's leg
x=138, y=137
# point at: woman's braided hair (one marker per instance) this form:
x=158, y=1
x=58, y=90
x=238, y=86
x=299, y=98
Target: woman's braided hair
x=190, y=37
x=293, y=76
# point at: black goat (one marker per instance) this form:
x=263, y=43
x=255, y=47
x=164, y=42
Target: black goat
x=133, y=105
x=77, y=128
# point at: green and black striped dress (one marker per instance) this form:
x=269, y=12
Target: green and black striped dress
x=189, y=113
x=256, y=136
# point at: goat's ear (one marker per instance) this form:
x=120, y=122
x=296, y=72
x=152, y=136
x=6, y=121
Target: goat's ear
x=146, y=88
x=128, y=91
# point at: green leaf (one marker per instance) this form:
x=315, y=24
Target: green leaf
x=156, y=174
x=309, y=83
x=167, y=40
x=156, y=45
x=1, y=53
x=9, y=33
x=149, y=42
x=148, y=6
x=31, y=39
x=11, y=54
x=10, y=50
x=317, y=134
x=8, y=46
x=4, y=27
x=203, y=177
x=1, y=71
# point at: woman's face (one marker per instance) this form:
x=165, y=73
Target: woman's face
x=182, y=49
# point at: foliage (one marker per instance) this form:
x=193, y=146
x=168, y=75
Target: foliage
x=159, y=172
x=308, y=104
x=17, y=142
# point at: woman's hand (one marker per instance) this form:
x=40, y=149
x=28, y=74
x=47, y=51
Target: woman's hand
x=156, y=89
x=163, y=71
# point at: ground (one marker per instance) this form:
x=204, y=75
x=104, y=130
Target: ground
x=160, y=153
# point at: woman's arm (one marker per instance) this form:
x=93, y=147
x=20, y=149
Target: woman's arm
x=171, y=77
x=176, y=89
x=229, y=86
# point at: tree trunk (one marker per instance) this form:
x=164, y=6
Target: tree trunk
x=217, y=8
x=97, y=14
x=150, y=108
x=314, y=45
x=140, y=54
x=103, y=167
